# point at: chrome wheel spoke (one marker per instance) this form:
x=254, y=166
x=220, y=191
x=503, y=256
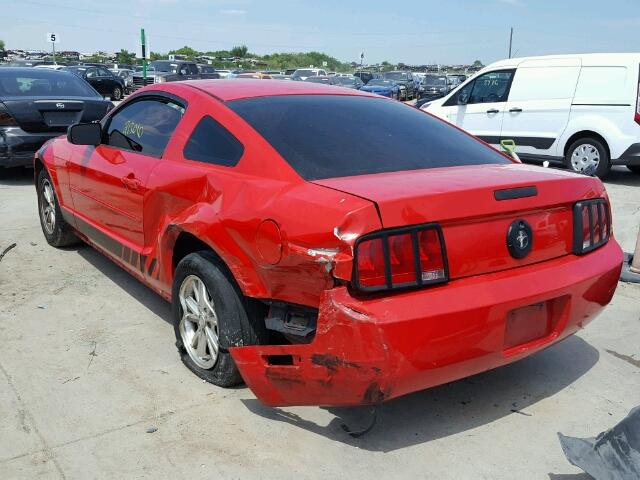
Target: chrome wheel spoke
x=201, y=347
x=212, y=341
x=192, y=306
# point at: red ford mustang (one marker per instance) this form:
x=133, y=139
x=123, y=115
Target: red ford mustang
x=330, y=247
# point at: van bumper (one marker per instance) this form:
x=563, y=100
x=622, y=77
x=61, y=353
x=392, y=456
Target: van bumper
x=631, y=156
x=367, y=351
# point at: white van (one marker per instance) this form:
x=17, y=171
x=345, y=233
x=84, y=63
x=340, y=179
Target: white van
x=577, y=110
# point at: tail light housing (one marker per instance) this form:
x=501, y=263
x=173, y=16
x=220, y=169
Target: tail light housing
x=6, y=120
x=591, y=225
x=400, y=258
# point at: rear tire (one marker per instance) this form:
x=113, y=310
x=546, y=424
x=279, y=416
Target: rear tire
x=226, y=319
x=634, y=168
x=583, y=152
x=56, y=230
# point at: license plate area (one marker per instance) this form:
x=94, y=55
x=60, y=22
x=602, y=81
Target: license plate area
x=533, y=323
x=60, y=119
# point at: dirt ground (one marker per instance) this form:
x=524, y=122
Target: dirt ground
x=88, y=367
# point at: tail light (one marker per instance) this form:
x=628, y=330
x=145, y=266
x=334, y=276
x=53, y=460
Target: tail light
x=591, y=225
x=6, y=120
x=400, y=258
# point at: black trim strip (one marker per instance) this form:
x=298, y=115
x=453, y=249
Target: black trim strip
x=600, y=104
x=513, y=193
x=540, y=143
x=152, y=266
x=532, y=157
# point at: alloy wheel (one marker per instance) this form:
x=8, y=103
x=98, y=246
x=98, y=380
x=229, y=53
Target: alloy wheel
x=199, y=322
x=47, y=207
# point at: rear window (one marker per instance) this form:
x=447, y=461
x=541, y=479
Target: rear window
x=327, y=136
x=34, y=83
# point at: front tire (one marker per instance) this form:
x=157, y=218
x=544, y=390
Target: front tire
x=116, y=94
x=56, y=230
x=585, y=153
x=210, y=314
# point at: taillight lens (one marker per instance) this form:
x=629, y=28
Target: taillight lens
x=6, y=120
x=591, y=225
x=401, y=258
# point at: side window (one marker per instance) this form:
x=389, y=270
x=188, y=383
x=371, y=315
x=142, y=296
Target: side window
x=92, y=73
x=103, y=72
x=210, y=142
x=461, y=93
x=183, y=69
x=491, y=87
x=193, y=69
x=144, y=126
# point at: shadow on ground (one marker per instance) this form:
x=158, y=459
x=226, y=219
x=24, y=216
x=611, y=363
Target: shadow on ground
x=570, y=476
x=622, y=176
x=16, y=177
x=456, y=407
x=128, y=284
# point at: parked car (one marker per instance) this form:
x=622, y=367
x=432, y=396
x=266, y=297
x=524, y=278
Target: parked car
x=104, y=81
x=329, y=246
x=320, y=79
x=39, y=104
x=404, y=79
x=433, y=86
x=223, y=73
x=126, y=75
x=580, y=111
x=366, y=77
x=256, y=75
x=348, y=82
x=304, y=73
x=455, y=79
x=161, y=71
x=290, y=71
x=386, y=88
x=204, y=68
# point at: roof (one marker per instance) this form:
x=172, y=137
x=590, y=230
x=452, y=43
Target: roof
x=587, y=59
x=233, y=89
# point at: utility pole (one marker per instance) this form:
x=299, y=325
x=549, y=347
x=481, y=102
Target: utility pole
x=510, y=42
x=144, y=57
x=53, y=45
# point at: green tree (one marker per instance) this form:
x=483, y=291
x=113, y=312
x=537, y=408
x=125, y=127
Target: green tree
x=123, y=56
x=188, y=52
x=2, y=45
x=240, y=51
x=158, y=56
x=477, y=63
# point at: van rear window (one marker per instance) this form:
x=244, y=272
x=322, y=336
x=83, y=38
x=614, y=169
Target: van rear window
x=327, y=136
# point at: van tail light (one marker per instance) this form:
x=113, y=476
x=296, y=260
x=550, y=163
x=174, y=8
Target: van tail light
x=401, y=258
x=591, y=225
x=6, y=120
x=637, y=115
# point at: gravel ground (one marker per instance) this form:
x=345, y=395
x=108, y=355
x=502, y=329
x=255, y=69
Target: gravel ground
x=88, y=368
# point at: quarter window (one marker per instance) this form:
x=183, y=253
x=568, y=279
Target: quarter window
x=492, y=87
x=144, y=126
x=210, y=142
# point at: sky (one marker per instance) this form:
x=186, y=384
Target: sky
x=408, y=31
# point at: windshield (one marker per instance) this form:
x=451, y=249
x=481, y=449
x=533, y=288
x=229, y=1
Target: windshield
x=344, y=80
x=396, y=75
x=435, y=81
x=43, y=83
x=317, y=80
x=380, y=83
x=316, y=135
x=304, y=73
x=159, y=66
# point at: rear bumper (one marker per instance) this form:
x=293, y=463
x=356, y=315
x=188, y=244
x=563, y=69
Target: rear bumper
x=369, y=351
x=631, y=156
x=18, y=147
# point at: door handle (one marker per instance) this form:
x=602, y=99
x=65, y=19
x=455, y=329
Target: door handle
x=493, y=110
x=515, y=110
x=131, y=182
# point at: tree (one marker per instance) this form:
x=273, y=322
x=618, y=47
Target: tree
x=239, y=52
x=188, y=52
x=1, y=45
x=157, y=56
x=123, y=56
x=477, y=63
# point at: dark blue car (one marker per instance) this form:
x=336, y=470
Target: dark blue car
x=386, y=88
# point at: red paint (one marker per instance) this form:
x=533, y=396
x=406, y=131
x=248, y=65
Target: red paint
x=290, y=240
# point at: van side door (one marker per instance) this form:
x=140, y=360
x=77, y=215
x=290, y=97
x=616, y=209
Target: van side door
x=539, y=105
x=479, y=106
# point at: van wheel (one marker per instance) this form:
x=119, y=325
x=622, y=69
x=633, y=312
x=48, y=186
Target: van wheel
x=210, y=314
x=634, y=168
x=587, y=154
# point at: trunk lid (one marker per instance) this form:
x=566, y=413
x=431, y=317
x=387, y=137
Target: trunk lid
x=474, y=222
x=54, y=114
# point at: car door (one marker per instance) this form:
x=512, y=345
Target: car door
x=108, y=80
x=109, y=182
x=539, y=105
x=92, y=76
x=479, y=106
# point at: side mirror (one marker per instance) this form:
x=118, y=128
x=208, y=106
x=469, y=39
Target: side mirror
x=85, y=134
